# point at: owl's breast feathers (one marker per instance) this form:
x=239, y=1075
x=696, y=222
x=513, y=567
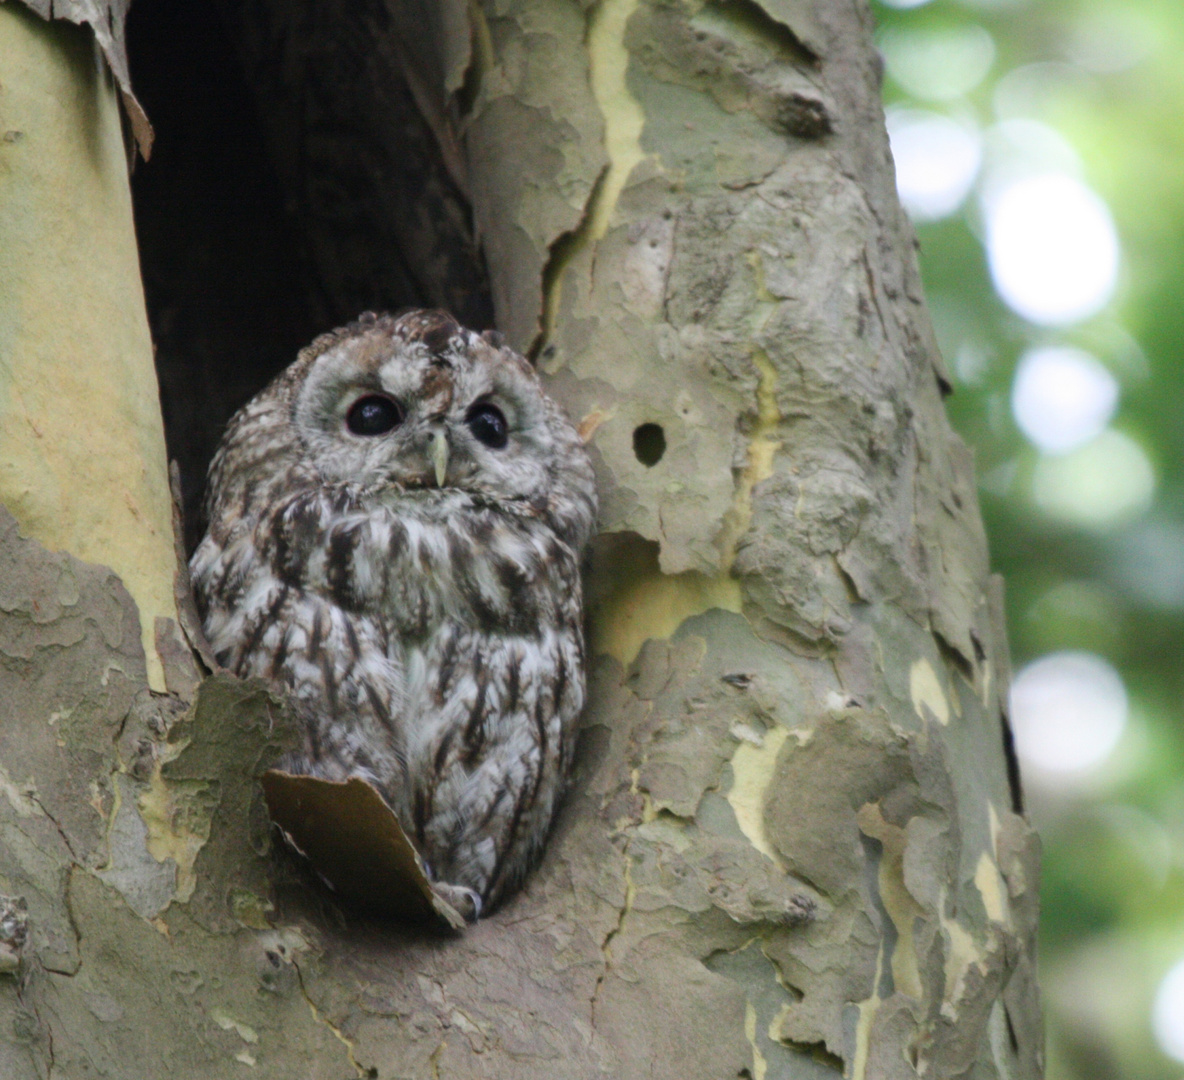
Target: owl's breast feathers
x=412, y=565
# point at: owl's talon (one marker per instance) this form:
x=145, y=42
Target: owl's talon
x=466, y=901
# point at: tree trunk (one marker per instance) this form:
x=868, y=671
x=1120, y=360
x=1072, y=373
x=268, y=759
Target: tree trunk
x=794, y=843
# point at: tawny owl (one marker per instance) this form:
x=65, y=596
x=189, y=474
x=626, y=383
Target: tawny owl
x=395, y=531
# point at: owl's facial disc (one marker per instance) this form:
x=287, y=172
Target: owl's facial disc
x=379, y=411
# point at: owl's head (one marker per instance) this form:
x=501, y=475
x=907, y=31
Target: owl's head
x=418, y=404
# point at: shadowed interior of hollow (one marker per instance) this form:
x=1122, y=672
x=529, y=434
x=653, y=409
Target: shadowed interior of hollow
x=293, y=184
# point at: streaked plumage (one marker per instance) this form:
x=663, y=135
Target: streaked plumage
x=415, y=590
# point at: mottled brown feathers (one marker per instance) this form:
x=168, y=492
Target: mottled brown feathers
x=428, y=631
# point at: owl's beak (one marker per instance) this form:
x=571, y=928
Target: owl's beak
x=440, y=454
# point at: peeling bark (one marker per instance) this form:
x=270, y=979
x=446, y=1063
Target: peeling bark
x=107, y=20
x=81, y=447
x=794, y=844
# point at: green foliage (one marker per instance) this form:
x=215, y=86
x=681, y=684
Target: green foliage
x=1107, y=75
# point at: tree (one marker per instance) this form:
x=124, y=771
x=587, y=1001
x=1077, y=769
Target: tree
x=794, y=844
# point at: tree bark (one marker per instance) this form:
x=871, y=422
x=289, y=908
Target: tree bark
x=794, y=844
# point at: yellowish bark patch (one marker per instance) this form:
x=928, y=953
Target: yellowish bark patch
x=624, y=119
x=961, y=954
x=762, y=449
x=177, y=816
x=592, y=421
x=623, y=116
x=753, y=769
x=759, y=1065
x=783, y=1014
x=863, y=1027
x=902, y=908
x=648, y=605
x=989, y=883
x=82, y=455
x=926, y=692
x=245, y=1032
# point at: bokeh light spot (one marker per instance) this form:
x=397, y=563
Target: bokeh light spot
x=1062, y=397
x=1167, y=1015
x=1068, y=711
x=1052, y=248
x=940, y=64
x=1033, y=90
x=1104, y=483
x=936, y=159
x=1021, y=148
x=1108, y=41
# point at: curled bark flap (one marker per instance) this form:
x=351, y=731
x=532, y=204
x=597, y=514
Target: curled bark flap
x=107, y=18
x=354, y=840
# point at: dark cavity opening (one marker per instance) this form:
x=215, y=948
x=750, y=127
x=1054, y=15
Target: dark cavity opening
x=649, y=444
x=294, y=183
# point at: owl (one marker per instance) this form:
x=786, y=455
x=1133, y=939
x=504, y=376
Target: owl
x=395, y=535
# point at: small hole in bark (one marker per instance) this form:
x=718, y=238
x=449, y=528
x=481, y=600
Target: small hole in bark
x=649, y=444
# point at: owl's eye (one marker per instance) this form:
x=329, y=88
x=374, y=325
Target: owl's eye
x=488, y=425
x=373, y=415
